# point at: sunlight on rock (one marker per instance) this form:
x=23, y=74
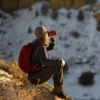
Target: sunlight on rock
x=14, y=87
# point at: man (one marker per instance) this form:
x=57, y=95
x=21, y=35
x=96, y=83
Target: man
x=48, y=67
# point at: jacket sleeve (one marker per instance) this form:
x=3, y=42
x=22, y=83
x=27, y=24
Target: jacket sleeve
x=52, y=44
x=43, y=56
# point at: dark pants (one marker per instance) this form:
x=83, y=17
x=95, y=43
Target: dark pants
x=46, y=73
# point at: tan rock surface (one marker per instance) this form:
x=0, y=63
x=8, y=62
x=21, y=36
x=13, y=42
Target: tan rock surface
x=9, y=5
x=14, y=85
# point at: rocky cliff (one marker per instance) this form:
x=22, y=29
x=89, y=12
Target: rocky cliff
x=14, y=85
x=9, y=5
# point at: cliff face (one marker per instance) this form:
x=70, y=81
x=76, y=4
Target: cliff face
x=14, y=85
x=98, y=16
x=9, y=5
x=67, y=3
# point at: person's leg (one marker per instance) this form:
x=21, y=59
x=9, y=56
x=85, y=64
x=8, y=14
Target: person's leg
x=44, y=75
x=58, y=83
x=58, y=76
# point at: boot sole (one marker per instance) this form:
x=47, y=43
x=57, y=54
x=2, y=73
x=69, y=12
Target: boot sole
x=68, y=98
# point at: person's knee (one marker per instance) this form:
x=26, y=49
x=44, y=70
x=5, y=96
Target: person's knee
x=62, y=63
x=57, y=68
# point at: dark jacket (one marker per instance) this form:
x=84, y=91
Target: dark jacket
x=40, y=55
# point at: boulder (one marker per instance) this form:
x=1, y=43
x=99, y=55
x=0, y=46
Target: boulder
x=15, y=86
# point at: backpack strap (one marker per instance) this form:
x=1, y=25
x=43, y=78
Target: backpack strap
x=37, y=51
x=34, y=45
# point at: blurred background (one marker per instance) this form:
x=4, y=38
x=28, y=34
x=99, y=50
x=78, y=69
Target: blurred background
x=77, y=23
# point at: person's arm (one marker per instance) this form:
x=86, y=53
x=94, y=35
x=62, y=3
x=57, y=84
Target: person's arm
x=43, y=56
x=52, y=44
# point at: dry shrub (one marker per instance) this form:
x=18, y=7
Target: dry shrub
x=30, y=30
x=86, y=78
x=98, y=26
x=54, y=14
x=13, y=69
x=3, y=16
x=14, y=15
x=40, y=23
x=2, y=31
x=3, y=65
x=80, y=16
x=75, y=34
x=36, y=13
x=69, y=15
x=45, y=8
x=30, y=8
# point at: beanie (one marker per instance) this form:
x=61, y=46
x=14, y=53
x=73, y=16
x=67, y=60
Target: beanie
x=40, y=32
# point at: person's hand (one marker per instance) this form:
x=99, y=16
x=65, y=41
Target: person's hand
x=62, y=63
x=52, y=39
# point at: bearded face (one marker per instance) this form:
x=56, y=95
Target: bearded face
x=46, y=40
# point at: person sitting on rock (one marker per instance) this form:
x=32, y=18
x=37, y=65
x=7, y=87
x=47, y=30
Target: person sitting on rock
x=47, y=67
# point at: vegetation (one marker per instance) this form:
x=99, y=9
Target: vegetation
x=86, y=78
x=75, y=34
x=80, y=16
x=30, y=30
x=54, y=14
x=45, y=8
x=98, y=26
x=15, y=86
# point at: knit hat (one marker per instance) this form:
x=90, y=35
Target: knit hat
x=40, y=32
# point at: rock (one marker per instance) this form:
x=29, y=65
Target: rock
x=5, y=77
x=5, y=74
x=10, y=5
x=14, y=85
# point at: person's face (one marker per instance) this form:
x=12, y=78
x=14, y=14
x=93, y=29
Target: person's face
x=46, y=40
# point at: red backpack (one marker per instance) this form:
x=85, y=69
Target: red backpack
x=24, y=58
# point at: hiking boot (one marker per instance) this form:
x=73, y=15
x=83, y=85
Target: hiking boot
x=58, y=91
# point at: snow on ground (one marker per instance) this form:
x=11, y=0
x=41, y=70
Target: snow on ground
x=98, y=1
x=14, y=34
